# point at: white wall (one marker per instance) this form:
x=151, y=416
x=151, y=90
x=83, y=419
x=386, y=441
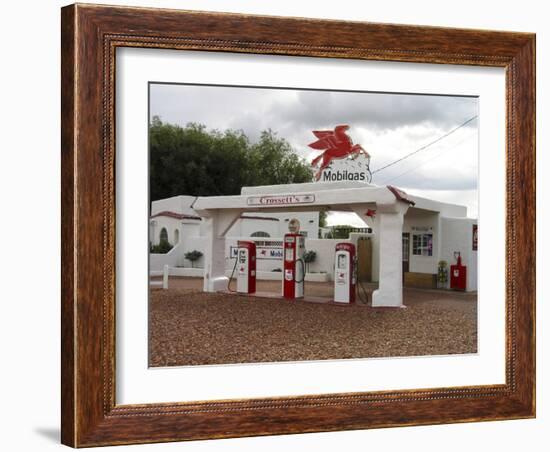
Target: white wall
x=178, y=204
x=274, y=224
x=456, y=235
x=425, y=223
x=445, y=209
x=247, y=226
x=448, y=235
x=172, y=258
x=171, y=224
x=325, y=249
x=244, y=227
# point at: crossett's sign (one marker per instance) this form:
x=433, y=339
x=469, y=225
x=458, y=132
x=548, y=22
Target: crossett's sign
x=280, y=200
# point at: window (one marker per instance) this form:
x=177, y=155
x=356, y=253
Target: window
x=422, y=244
x=163, y=235
x=260, y=234
x=176, y=236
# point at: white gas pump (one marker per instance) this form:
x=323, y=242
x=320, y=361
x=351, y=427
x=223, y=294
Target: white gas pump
x=245, y=265
x=345, y=273
x=293, y=266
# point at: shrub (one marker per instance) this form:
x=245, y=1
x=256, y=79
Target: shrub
x=442, y=273
x=193, y=256
x=309, y=256
x=161, y=248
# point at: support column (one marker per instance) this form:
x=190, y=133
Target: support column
x=361, y=211
x=217, y=225
x=390, y=280
x=387, y=259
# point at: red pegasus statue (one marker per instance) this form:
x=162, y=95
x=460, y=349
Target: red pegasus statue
x=335, y=144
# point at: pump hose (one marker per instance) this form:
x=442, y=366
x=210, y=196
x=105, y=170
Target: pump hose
x=303, y=271
x=231, y=277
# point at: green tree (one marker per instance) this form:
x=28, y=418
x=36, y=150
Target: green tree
x=273, y=161
x=323, y=219
x=340, y=231
x=193, y=256
x=192, y=160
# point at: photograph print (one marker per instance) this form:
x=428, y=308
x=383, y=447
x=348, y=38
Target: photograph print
x=304, y=225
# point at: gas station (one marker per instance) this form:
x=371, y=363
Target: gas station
x=410, y=236
x=383, y=208
x=255, y=281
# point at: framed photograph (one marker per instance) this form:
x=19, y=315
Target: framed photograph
x=281, y=225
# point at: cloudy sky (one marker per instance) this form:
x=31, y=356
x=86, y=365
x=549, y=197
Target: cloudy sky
x=388, y=126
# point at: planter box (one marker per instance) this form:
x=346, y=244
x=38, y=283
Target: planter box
x=420, y=280
x=186, y=271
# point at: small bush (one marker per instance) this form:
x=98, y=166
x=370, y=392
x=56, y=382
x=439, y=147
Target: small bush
x=442, y=273
x=161, y=248
x=309, y=256
x=193, y=256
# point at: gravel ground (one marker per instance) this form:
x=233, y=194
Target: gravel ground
x=190, y=327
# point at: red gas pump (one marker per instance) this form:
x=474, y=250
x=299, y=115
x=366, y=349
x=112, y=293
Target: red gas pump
x=246, y=267
x=294, y=266
x=458, y=274
x=345, y=273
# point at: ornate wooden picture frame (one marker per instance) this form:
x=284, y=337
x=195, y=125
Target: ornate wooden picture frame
x=90, y=37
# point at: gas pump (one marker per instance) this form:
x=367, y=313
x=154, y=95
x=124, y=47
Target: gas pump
x=345, y=273
x=458, y=273
x=294, y=266
x=246, y=267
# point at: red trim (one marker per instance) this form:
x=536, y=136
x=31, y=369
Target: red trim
x=400, y=194
x=177, y=216
x=253, y=217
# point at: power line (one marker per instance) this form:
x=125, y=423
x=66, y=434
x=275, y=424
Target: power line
x=426, y=146
x=427, y=161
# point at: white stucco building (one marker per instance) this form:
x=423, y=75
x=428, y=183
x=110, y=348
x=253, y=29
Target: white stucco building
x=410, y=234
x=176, y=221
x=176, y=215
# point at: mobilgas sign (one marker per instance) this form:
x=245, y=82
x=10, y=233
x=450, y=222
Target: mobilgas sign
x=280, y=200
x=347, y=170
x=329, y=175
x=340, y=159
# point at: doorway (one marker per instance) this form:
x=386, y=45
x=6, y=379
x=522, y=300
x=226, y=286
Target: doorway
x=364, y=259
x=406, y=245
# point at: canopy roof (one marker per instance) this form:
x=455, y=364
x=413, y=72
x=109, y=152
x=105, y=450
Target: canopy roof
x=315, y=196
